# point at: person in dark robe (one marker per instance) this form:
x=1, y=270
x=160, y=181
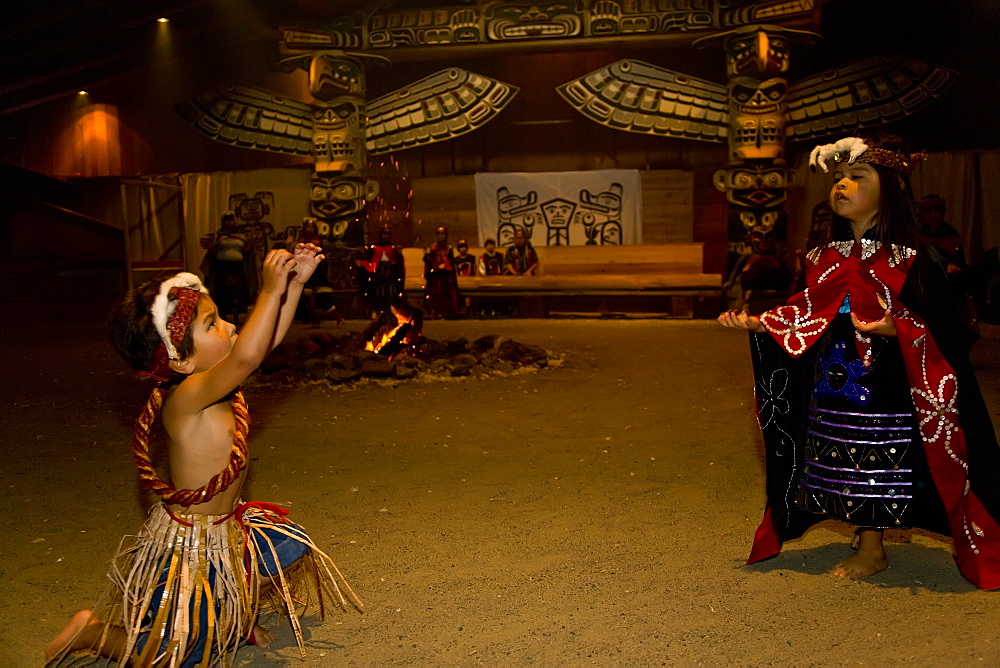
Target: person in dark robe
x=869, y=406
x=440, y=278
x=381, y=273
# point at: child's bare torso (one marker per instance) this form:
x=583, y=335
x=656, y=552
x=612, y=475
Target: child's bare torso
x=200, y=445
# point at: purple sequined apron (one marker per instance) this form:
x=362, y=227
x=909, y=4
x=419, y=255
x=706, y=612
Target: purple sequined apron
x=862, y=448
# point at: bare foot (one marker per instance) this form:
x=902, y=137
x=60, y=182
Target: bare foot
x=861, y=564
x=71, y=635
x=262, y=637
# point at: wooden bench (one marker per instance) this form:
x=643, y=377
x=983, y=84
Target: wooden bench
x=663, y=278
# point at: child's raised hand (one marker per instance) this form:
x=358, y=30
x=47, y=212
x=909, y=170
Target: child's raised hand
x=740, y=320
x=307, y=257
x=278, y=263
x=884, y=327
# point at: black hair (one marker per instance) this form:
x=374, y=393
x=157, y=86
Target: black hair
x=932, y=203
x=897, y=220
x=131, y=330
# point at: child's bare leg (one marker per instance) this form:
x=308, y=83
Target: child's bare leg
x=84, y=632
x=869, y=559
x=261, y=636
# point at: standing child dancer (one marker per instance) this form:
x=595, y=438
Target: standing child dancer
x=867, y=400
x=188, y=589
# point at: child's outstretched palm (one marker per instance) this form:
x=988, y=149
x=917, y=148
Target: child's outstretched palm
x=307, y=258
x=885, y=326
x=278, y=263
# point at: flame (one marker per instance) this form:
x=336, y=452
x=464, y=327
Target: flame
x=382, y=340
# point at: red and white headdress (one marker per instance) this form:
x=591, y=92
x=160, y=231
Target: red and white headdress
x=173, y=309
x=855, y=150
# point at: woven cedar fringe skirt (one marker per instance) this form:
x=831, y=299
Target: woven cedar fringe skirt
x=187, y=590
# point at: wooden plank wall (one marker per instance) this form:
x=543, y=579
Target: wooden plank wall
x=667, y=202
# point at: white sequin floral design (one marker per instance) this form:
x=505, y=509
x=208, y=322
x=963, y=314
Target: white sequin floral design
x=938, y=412
x=793, y=326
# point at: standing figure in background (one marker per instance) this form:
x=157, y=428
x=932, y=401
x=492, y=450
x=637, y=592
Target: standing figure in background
x=441, y=282
x=227, y=274
x=943, y=244
x=936, y=233
x=318, y=300
x=308, y=234
x=381, y=274
x=868, y=403
x=521, y=259
x=490, y=262
x=465, y=264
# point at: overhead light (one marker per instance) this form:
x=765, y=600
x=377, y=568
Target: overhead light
x=163, y=19
x=82, y=92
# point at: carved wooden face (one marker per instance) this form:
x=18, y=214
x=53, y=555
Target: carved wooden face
x=332, y=75
x=756, y=232
x=544, y=20
x=758, y=51
x=754, y=186
x=337, y=200
x=757, y=113
x=339, y=137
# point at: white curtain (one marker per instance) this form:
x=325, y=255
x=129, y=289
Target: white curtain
x=560, y=208
x=207, y=195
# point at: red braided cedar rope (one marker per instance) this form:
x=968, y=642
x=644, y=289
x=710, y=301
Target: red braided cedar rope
x=219, y=482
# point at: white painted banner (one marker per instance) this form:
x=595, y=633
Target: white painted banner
x=561, y=208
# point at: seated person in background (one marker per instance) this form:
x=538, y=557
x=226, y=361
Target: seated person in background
x=521, y=258
x=490, y=262
x=465, y=264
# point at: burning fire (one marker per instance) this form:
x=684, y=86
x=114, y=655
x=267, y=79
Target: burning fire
x=389, y=341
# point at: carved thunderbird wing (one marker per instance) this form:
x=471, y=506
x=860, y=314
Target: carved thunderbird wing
x=251, y=117
x=869, y=92
x=638, y=97
x=444, y=105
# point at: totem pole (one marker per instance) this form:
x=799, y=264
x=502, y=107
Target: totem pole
x=757, y=113
x=754, y=181
x=339, y=129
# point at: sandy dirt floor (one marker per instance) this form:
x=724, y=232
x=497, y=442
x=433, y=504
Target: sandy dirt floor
x=597, y=512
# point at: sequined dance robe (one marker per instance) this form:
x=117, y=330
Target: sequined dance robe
x=840, y=442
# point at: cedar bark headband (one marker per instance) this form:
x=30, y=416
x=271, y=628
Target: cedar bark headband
x=172, y=311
